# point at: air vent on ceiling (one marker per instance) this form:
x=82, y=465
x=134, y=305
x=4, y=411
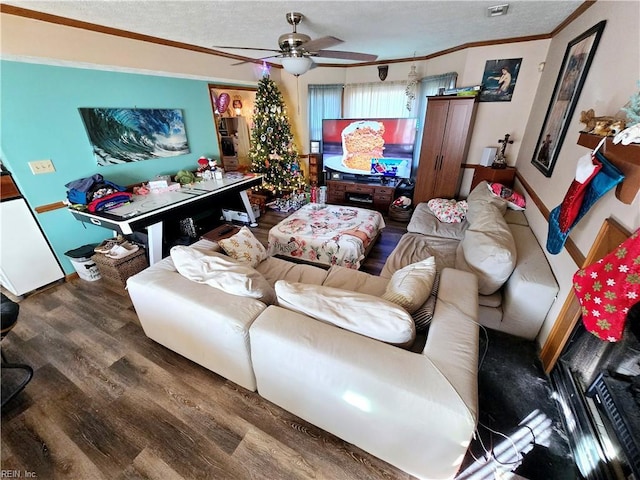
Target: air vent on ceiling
x=498, y=10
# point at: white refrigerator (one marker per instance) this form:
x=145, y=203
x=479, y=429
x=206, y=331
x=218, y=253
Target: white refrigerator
x=26, y=260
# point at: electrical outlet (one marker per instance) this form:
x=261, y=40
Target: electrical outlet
x=41, y=166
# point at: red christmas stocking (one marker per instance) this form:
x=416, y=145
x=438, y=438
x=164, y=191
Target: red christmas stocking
x=607, y=289
x=586, y=169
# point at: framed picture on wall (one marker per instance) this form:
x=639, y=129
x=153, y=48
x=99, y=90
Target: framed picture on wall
x=575, y=66
x=123, y=135
x=499, y=80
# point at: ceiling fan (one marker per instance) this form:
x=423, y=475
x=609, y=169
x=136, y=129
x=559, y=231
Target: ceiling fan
x=296, y=49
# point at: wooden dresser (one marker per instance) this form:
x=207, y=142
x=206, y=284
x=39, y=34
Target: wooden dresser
x=505, y=176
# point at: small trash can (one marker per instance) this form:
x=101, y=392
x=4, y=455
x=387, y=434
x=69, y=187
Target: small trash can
x=81, y=260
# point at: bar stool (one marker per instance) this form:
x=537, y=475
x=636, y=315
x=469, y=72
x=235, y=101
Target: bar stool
x=9, y=318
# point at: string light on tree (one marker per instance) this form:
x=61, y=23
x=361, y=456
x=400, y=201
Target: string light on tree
x=273, y=153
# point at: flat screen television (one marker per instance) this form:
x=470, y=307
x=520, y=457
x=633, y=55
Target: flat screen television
x=369, y=146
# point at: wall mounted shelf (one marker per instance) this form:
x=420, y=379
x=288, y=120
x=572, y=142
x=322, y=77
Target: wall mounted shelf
x=625, y=157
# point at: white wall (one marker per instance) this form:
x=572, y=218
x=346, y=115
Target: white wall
x=495, y=119
x=610, y=83
x=23, y=38
x=30, y=39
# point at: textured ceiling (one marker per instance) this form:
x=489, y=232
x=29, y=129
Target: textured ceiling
x=390, y=29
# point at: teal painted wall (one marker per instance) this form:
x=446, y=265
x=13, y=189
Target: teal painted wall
x=39, y=120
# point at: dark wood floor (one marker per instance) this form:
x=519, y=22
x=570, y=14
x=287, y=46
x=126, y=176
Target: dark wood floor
x=108, y=403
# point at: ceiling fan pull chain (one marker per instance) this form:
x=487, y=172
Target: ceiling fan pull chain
x=298, y=92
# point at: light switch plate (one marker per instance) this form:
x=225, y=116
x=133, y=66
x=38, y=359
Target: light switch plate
x=41, y=166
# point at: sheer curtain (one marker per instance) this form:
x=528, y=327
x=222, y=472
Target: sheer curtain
x=376, y=100
x=325, y=101
x=429, y=86
x=373, y=100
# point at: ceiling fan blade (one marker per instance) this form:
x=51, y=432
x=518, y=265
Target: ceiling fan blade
x=321, y=43
x=254, y=60
x=362, y=57
x=247, y=48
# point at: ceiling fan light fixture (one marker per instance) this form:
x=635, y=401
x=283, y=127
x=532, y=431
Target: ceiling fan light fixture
x=297, y=65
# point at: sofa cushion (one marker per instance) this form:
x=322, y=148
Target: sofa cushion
x=494, y=300
x=355, y=281
x=487, y=249
x=358, y=312
x=244, y=247
x=274, y=269
x=531, y=289
x=479, y=198
x=206, y=246
x=516, y=217
x=222, y=272
x=414, y=247
x=411, y=286
x=425, y=222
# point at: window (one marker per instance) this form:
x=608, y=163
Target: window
x=365, y=100
x=371, y=100
x=429, y=86
x=376, y=100
x=325, y=101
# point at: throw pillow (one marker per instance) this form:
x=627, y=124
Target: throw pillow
x=424, y=314
x=223, y=273
x=244, y=247
x=513, y=198
x=448, y=210
x=358, y=312
x=411, y=286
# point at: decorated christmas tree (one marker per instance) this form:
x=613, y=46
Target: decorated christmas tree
x=273, y=153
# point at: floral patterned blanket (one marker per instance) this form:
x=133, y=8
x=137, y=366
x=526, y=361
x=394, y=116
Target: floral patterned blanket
x=326, y=234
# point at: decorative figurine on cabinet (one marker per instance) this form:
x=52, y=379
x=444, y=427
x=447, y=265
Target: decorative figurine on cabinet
x=500, y=161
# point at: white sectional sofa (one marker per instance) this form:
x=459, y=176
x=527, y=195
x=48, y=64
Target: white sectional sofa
x=517, y=286
x=416, y=409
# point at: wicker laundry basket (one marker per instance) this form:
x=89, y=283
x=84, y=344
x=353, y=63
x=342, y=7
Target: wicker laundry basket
x=116, y=271
x=400, y=214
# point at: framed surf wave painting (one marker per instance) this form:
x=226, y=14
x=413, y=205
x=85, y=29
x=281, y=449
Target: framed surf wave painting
x=124, y=135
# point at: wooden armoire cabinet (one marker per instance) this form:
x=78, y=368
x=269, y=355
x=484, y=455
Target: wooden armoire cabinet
x=445, y=140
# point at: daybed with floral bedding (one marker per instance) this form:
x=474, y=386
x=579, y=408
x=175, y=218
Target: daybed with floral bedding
x=327, y=234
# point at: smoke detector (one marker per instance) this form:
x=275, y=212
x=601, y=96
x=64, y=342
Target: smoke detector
x=497, y=10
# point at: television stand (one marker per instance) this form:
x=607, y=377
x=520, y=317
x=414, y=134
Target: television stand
x=362, y=193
